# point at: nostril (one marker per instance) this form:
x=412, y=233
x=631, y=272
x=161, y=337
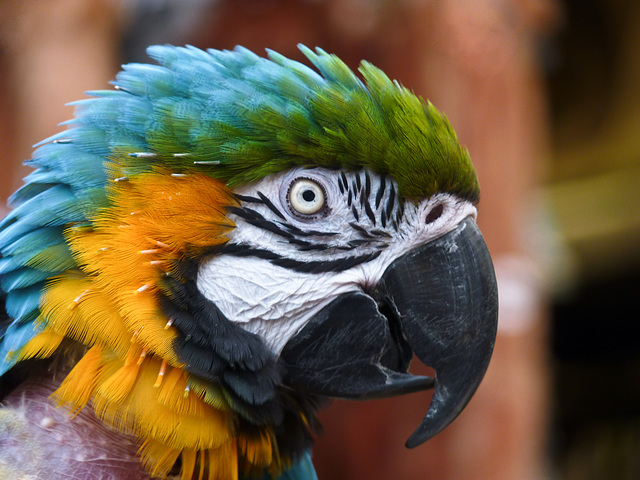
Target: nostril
x=434, y=214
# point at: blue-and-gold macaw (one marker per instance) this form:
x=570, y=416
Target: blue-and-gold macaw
x=224, y=239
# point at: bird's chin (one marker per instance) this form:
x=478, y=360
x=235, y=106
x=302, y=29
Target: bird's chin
x=38, y=440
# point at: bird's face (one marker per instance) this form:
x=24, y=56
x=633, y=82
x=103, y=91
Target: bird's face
x=343, y=280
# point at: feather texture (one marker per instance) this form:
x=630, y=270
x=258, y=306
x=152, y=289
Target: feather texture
x=97, y=249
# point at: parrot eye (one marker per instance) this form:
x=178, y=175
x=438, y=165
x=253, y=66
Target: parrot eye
x=306, y=197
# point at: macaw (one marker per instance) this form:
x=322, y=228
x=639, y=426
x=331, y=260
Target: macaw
x=223, y=240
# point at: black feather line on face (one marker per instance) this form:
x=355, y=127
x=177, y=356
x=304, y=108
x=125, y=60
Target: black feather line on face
x=248, y=198
x=307, y=233
x=316, y=247
x=258, y=220
x=363, y=199
x=400, y=212
x=391, y=200
x=254, y=218
x=342, y=182
x=262, y=200
x=358, y=242
x=369, y=212
x=319, y=266
x=361, y=230
x=380, y=194
x=303, y=244
x=354, y=211
x=381, y=233
x=271, y=206
x=338, y=265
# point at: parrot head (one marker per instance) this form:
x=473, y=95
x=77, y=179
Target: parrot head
x=224, y=240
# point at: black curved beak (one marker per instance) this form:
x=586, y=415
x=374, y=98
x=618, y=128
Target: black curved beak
x=439, y=301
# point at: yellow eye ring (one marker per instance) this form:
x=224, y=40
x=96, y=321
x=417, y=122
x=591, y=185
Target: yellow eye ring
x=306, y=196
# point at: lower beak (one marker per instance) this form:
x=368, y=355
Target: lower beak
x=439, y=301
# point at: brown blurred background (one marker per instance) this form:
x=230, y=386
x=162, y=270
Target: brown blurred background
x=545, y=94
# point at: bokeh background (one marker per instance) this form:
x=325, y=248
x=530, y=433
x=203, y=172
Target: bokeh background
x=545, y=94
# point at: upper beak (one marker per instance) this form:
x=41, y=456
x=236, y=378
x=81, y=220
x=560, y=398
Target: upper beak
x=439, y=301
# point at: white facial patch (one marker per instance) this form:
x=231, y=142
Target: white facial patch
x=291, y=264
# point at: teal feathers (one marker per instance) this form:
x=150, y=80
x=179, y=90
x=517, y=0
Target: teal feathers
x=301, y=470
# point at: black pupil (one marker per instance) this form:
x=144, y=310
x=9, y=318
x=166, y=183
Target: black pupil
x=309, y=195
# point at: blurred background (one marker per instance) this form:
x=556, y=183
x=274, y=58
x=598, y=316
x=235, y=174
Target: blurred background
x=545, y=94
